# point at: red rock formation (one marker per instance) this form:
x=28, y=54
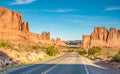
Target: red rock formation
x=86, y=41
x=113, y=38
x=57, y=42
x=48, y=36
x=10, y=20
x=13, y=29
x=101, y=37
x=45, y=36
x=24, y=27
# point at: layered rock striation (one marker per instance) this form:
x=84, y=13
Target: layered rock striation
x=102, y=37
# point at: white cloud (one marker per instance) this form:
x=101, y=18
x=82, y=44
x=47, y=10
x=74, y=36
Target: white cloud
x=17, y=2
x=58, y=10
x=28, y=10
x=112, y=8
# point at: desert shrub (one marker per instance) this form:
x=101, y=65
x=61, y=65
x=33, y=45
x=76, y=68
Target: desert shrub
x=52, y=51
x=5, y=44
x=35, y=47
x=82, y=52
x=15, y=47
x=94, y=50
x=116, y=58
x=109, y=53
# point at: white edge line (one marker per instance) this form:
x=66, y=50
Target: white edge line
x=86, y=69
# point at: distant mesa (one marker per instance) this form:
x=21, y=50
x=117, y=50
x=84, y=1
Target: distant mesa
x=102, y=37
x=14, y=29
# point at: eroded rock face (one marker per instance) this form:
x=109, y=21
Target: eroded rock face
x=113, y=34
x=101, y=37
x=114, y=38
x=57, y=42
x=24, y=27
x=13, y=29
x=10, y=20
x=86, y=41
x=100, y=33
x=45, y=36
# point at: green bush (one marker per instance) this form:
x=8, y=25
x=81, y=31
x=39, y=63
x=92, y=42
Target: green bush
x=82, y=52
x=116, y=58
x=5, y=44
x=94, y=50
x=52, y=51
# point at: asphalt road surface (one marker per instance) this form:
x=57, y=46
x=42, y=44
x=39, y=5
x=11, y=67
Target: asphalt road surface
x=69, y=63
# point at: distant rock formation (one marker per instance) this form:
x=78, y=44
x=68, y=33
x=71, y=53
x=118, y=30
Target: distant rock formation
x=57, y=42
x=102, y=37
x=45, y=36
x=13, y=29
x=86, y=41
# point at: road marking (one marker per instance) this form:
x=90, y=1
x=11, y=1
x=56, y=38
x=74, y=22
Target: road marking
x=86, y=69
x=48, y=70
x=45, y=72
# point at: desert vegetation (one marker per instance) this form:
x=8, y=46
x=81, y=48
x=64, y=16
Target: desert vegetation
x=26, y=54
x=116, y=58
x=108, y=57
x=52, y=51
x=5, y=44
x=91, y=52
x=101, y=53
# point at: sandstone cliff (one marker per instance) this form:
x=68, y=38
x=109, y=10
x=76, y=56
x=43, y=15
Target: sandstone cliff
x=99, y=36
x=114, y=38
x=15, y=30
x=10, y=20
x=86, y=41
x=102, y=37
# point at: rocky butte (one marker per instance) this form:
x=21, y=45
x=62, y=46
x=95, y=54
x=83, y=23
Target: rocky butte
x=102, y=37
x=14, y=29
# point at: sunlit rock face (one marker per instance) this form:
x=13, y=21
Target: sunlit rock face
x=24, y=27
x=113, y=38
x=14, y=29
x=86, y=41
x=10, y=20
x=102, y=37
x=99, y=36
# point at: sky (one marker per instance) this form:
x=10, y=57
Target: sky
x=67, y=19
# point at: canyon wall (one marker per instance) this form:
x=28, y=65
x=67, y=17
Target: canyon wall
x=102, y=37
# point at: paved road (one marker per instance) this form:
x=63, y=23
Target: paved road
x=70, y=63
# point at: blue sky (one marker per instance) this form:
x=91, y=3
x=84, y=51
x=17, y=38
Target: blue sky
x=67, y=19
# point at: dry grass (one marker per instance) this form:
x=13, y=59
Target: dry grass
x=25, y=55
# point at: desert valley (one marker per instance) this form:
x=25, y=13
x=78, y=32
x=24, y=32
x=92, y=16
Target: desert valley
x=21, y=47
